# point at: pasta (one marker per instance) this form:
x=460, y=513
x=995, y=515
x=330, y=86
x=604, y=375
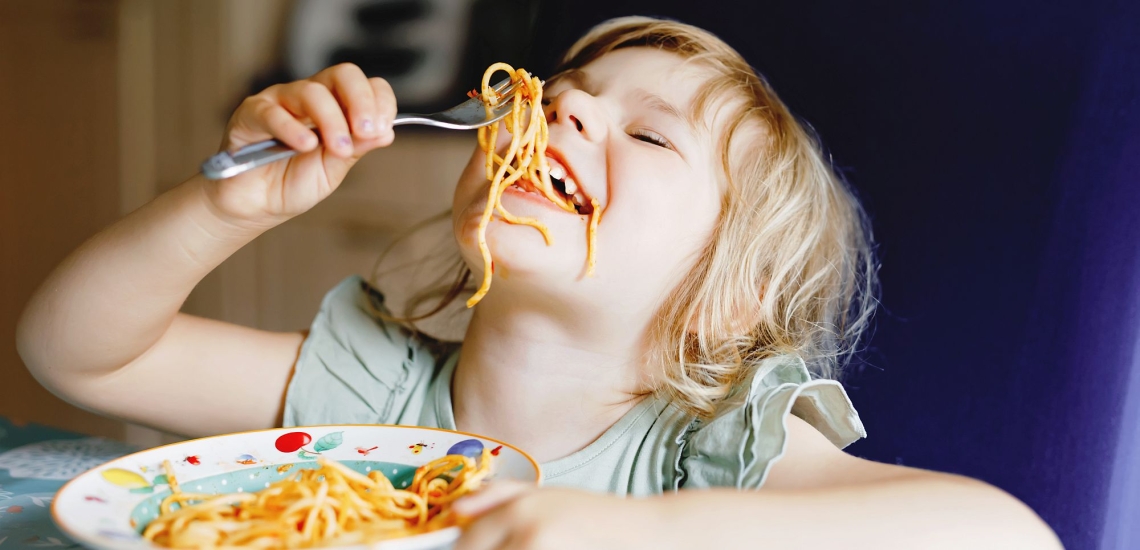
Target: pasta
x=330, y=505
x=525, y=158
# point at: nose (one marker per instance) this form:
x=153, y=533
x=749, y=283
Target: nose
x=579, y=110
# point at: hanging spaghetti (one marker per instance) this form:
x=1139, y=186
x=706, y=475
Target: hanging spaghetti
x=523, y=161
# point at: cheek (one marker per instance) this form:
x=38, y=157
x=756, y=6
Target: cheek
x=473, y=183
x=653, y=234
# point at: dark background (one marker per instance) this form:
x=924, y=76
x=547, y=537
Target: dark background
x=995, y=146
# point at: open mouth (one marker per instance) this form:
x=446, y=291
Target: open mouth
x=564, y=186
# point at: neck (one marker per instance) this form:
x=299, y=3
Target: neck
x=545, y=383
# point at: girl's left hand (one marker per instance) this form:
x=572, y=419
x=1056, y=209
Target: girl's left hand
x=514, y=516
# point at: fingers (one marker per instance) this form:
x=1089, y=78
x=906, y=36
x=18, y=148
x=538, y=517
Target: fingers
x=352, y=113
x=494, y=495
x=353, y=91
x=489, y=532
x=385, y=106
x=310, y=100
x=369, y=104
x=265, y=118
x=495, y=510
x=385, y=109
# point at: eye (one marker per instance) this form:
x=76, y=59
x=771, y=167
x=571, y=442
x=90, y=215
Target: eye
x=649, y=136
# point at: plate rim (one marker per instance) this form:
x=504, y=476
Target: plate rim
x=55, y=517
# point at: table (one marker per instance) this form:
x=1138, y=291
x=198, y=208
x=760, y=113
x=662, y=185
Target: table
x=35, y=461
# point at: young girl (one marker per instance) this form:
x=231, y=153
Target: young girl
x=732, y=278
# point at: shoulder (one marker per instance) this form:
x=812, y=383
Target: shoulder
x=781, y=409
x=356, y=367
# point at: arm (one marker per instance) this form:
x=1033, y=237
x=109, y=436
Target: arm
x=819, y=497
x=815, y=497
x=104, y=331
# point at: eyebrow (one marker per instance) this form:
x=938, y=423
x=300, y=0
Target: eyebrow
x=659, y=104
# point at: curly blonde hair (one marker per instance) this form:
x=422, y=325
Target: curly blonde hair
x=790, y=267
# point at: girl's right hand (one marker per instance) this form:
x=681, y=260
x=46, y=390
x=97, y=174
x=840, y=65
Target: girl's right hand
x=352, y=114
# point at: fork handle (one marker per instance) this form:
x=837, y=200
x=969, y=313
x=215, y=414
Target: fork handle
x=227, y=165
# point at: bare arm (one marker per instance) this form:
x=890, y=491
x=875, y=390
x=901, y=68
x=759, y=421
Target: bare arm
x=816, y=497
x=928, y=511
x=104, y=331
x=820, y=497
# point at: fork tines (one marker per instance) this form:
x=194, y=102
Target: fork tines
x=504, y=89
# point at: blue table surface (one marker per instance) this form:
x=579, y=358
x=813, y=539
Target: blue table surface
x=35, y=461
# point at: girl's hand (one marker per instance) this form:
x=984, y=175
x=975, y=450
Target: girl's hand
x=514, y=516
x=350, y=112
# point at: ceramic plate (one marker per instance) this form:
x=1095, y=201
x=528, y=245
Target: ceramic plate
x=108, y=506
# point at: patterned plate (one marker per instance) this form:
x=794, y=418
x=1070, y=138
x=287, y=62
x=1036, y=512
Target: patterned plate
x=108, y=506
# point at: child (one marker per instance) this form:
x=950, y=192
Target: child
x=733, y=276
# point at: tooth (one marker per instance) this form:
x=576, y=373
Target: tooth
x=578, y=199
x=557, y=172
x=571, y=187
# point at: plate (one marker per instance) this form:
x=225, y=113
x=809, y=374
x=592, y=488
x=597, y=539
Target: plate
x=108, y=506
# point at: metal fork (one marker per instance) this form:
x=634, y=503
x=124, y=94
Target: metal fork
x=468, y=115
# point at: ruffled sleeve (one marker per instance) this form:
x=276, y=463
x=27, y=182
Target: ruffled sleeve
x=355, y=368
x=738, y=447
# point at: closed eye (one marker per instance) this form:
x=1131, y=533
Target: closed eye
x=649, y=136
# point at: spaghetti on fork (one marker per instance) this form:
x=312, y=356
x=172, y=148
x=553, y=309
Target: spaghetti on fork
x=525, y=160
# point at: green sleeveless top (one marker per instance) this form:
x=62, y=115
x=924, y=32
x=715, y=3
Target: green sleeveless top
x=356, y=369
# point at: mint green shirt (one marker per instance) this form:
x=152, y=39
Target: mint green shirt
x=356, y=369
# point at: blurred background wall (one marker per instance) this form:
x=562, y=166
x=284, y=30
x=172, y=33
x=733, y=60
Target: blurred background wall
x=104, y=104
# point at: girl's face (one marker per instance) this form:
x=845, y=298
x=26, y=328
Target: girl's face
x=621, y=128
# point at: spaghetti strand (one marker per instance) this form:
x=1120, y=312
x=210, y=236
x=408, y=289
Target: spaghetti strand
x=329, y=505
x=525, y=157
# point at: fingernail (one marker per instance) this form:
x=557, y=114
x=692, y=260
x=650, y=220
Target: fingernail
x=385, y=125
x=345, y=142
x=366, y=125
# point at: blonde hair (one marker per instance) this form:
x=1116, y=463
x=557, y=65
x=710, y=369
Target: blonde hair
x=789, y=268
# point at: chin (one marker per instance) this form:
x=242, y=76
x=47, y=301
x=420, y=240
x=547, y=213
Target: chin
x=520, y=251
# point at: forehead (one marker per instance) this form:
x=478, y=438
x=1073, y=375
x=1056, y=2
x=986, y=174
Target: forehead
x=694, y=88
x=659, y=72
x=638, y=62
